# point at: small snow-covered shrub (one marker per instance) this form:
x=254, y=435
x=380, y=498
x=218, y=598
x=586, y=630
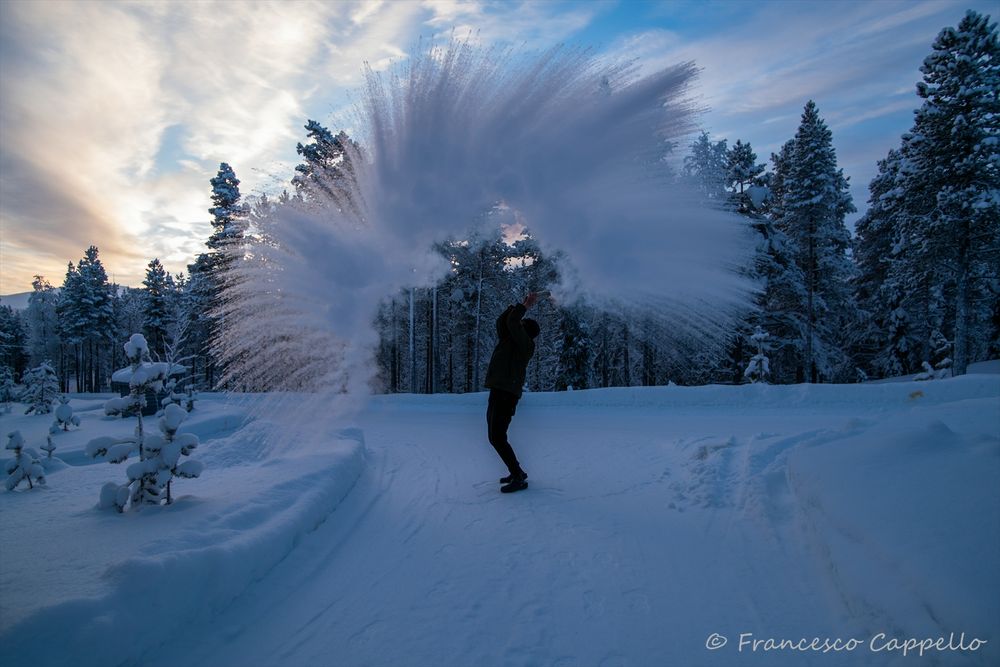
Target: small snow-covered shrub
x=49, y=446
x=41, y=387
x=161, y=463
x=64, y=416
x=24, y=466
x=760, y=366
x=942, y=359
x=114, y=407
x=159, y=453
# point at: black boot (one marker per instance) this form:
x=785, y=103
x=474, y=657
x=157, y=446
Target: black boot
x=517, y=483
x=510, y=478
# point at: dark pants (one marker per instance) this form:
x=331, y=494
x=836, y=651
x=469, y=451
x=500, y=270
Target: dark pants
x=499, y=411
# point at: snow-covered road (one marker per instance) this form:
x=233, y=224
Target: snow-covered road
x=649, y=525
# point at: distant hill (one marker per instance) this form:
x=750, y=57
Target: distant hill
x=15, y=301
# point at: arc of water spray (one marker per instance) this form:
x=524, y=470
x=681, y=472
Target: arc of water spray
x=571, y=142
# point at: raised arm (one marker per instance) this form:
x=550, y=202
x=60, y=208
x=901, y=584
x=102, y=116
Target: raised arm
x=514, y=326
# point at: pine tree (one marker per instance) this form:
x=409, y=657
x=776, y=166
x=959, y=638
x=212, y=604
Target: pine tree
x=815, y=202
x=884, y=341
x=228, y=213
x=86, y=318
x=12, y=340
x=41, y=388
x=72, y=323
x=24, y=467
x=146, y=482
x=706, y=168
x=954, y=154
x=156, y=308
x=326, y=174
x=574, y=351
x=197, y=299
x=782, y=301
x=42, y=322
x=744, y=176
x=99, y=331
x=64, y=416
x=759, y=368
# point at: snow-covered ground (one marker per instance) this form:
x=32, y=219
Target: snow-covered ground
x=657, y=520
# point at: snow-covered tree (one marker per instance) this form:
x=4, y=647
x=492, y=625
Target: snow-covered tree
x=157, y=299
x=41, y=388
x=64, y=416
x=940, y=365
x=744, y=175
x=163, y=454
x=142, y=375
x=326, y=173
x=882, y=342
x=13, y=341
x=228, y=211
x=706, y=168
x=42, y=322
x=815, y=200
x=177, y=389
x=86, y=318
x=759, y=367
x=24, y=467
x=574, y=351
x=954, y=154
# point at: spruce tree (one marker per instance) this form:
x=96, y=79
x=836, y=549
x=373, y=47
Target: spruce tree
x=41, y=388
x=156, y=306
x=815, y=202
x=12, y=340
x=99, y=329
x=884, y=342
x=42, y=322
x=954, y=159
x=744, y=176
x=228, y=213
x=574, y=351
x=326, y=174
x=706, y=168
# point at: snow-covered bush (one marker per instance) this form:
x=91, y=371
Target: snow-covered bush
x=163, y=453
x=175, y=394
x=760, y=366
x=114, y=407
x=24, y=466
x=64, y=416
x=146, y=478
x=49, y=446
x=41, y=387
x=942, y=359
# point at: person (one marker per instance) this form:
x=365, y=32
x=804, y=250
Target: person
x=505, y=380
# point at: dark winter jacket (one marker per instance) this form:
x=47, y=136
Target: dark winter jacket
x=509, y=362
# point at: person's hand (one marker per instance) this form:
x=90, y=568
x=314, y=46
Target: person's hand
x=530, y=300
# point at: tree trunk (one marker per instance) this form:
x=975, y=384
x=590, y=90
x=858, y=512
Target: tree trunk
x=479, y=305
x=413, y=351
x=811, y=319
x=961, y=349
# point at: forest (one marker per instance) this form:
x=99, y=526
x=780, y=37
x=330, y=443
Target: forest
x=914, y=289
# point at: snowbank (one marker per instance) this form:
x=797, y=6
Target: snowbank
x=111, y=587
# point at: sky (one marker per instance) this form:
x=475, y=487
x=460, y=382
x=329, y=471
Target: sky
x=115, y=115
